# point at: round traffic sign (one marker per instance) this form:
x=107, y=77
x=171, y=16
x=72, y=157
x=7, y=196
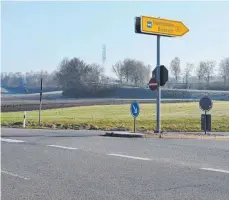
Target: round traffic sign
x=153, y=84
x=134, y=109
x=206, y=103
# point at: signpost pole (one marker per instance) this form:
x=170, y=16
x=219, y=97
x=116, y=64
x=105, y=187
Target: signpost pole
x=205, y=122
x=159, y=27
x=134, y=124
x=40, y=104
x=158, y=87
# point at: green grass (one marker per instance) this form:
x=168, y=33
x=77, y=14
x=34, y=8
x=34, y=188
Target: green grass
x=174, y=117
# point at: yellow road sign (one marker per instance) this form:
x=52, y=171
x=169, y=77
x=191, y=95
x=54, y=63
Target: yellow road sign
x=158, y=26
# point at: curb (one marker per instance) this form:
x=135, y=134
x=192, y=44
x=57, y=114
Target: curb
x=164, y=136
x=202, y=137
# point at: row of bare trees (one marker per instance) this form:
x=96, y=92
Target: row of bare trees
x=204, y=71
x=75, y=73
x=128, y=71
x=28, y=79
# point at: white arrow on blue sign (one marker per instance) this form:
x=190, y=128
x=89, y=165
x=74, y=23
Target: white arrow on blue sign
x=134, y=109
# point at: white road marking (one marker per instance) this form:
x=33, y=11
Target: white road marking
x=15, y=175
x=126, y=156
x=12, y=141
x=62, y=147
x=215, y=170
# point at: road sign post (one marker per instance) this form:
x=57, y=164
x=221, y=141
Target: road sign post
x=158, y=87
x=159, y=27
x=134, y=124
x=135, y=110
x=206, y=105
x=40, y=103
x=205, y=121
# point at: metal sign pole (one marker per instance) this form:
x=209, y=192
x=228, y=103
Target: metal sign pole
x=205, y=122
x=158, y=87
x=134, y=124
x=40, y=104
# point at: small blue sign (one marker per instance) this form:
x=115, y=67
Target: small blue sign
x=134, y=109
x=149, y=24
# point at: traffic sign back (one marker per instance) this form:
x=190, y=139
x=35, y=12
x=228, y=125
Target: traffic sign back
x=164, y=74
x=205, y=103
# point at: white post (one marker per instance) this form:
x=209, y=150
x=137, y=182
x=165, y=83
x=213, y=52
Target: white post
x=24, y=119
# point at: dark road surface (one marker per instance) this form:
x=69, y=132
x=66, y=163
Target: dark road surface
x=57, y=165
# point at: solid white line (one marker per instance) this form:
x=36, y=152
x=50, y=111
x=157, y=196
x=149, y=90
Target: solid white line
x=62, y=147
x=126, y=156
x=15, y=175
x=215, y=170
x=12, y=141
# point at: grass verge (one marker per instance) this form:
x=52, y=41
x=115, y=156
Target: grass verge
x=174, y=117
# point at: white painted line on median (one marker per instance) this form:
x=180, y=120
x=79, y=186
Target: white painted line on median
x=12, y=141
x=215, y=170
x=126, y=156
x=15, y=175
x=62, y=147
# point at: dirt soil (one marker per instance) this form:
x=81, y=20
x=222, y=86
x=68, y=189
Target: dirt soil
x=12, y=106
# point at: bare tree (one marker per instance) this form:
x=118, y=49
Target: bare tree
x=200, y=71
x=118, y=70
x=79, y=79
x=72, y=73
x=32, y=79
x=132, y=71
x=187, y=72
x=94, y=73
x=175, y=68
x=4, y=79
x=139, y=73
x=224, y=70
x=209, y=70
x=129, y=66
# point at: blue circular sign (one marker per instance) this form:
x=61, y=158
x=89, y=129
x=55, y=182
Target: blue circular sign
x=134, y=109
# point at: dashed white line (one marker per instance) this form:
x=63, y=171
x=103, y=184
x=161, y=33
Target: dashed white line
x=62, y=147
x=126, y=156
x=215, y=170
x=11, y=140
x=15, y=175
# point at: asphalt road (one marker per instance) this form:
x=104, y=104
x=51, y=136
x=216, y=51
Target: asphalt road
x=40, y=164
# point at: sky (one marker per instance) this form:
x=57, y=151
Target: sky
x=38, y=35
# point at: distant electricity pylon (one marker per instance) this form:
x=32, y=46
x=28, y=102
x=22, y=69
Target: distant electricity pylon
x=104, y=56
